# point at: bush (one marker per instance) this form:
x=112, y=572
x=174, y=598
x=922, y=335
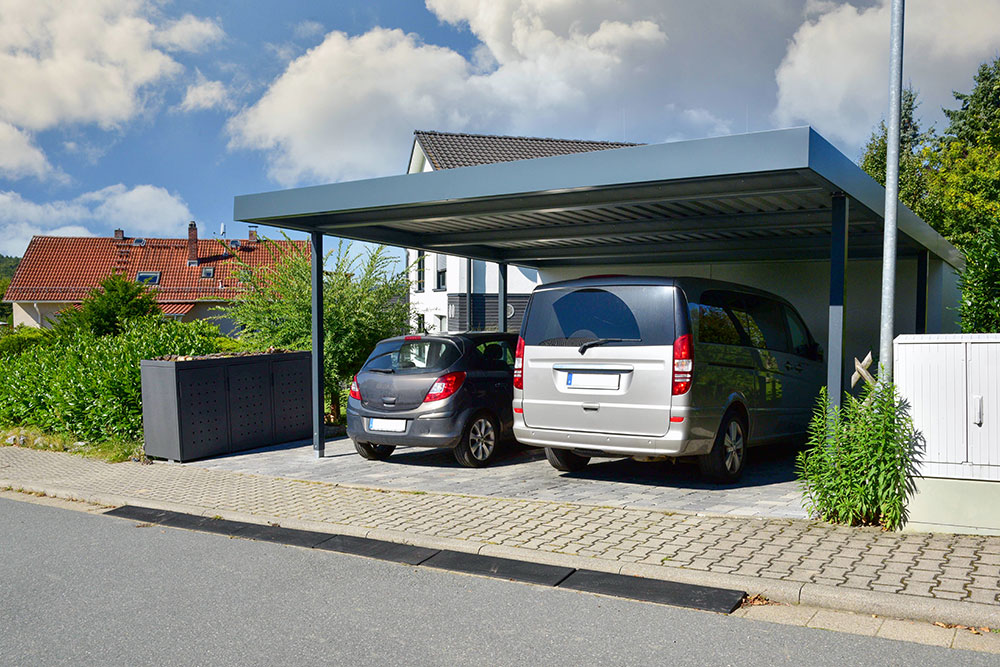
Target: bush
x=89, y=386
x=106, y=308
x=857, y=465
x=980, y=284
x=15, y=341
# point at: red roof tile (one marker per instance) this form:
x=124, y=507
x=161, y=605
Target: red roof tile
x=176, y=308
x=58, y=268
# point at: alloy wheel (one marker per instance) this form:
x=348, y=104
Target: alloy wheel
x=482, y=439
x=734, y=445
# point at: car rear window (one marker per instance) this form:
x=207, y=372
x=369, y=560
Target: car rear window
x=639, y=314
x=412, y=356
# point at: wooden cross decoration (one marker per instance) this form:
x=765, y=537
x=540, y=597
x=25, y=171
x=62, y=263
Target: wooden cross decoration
x=861, y=370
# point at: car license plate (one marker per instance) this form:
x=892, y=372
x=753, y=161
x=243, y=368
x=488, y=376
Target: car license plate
x=389, y=425
x=592, y=380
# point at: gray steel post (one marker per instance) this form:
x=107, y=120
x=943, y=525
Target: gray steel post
x=468, y=295
x=923, y=259
x=838, y=275
x=502, y=297
x=318, y=402
x=891, y=193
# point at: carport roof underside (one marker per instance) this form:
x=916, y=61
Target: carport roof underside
x=749, y=197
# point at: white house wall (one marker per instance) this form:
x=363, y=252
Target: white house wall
x=26, y=314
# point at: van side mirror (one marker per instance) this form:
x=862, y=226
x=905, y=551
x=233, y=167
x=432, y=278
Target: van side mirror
x=815, y=351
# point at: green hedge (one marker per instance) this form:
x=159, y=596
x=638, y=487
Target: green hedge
x=88, y=386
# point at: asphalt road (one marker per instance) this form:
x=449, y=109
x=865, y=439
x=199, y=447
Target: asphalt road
x=83, y=589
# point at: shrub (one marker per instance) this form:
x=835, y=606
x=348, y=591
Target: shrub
x=16, y=340
x=89, y=386
x=858, y=463
x=107, y=308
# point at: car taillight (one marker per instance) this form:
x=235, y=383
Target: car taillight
x=683, y=364
x=355, y=392
x=445, y=386
x=519, y=364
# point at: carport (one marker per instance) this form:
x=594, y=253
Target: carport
x=783, y=210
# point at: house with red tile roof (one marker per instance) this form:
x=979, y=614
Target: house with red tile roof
x=190, y=277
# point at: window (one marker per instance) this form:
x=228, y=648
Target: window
x=442, y=323
x=761, y=320
x=421, y=261
x=801, y=342
x=496, y=355
x=442, y=271
x=715, y=325
x=148, y=277
x=208, y=272
x=420, y=324
x=569, y=317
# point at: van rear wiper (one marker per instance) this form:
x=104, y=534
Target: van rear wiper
x=602, y=341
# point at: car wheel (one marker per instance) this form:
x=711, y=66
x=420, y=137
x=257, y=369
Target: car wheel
x=565, y=460
x=726, y=460
x=373, y=452
x=479, y=442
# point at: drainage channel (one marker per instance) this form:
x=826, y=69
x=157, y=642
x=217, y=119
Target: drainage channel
x=704, y=598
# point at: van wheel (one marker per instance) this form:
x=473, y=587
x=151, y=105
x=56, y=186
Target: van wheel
x=479, y=442
x=729, y=453
x=373, y=452
x=565, y=460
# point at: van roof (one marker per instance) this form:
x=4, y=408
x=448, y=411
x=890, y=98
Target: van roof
x=689, y=285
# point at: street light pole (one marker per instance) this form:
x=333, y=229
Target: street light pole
x=891, y=192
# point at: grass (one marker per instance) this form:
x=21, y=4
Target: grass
x=112, y=451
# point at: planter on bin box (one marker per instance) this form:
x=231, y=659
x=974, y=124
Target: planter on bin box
x=205, y=407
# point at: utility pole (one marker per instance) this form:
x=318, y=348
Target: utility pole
x=891, y=192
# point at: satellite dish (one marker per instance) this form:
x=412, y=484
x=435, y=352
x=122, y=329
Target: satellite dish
x=510, y=310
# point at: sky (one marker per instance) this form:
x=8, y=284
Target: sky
x=145, y=114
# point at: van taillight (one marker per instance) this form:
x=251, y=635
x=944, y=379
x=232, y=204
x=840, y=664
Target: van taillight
x=683, y=364
x=445, y=386
x=355, y=392
x=519, y=364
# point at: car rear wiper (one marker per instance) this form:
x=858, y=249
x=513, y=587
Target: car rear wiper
x=380, y=370
x=602, y=341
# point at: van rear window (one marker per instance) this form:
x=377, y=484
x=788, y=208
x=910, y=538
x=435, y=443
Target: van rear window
x=638, y=314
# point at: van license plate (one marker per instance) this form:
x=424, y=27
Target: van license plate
x=389, y=425
x=592, y=380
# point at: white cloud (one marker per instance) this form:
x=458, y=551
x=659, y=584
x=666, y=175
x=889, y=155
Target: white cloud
x=84, y=62
x=188, y=33
x=346, y=108
x=205, y=94
x=835, y=73
x=144, y=210
x=308, y=29
x=19, y=156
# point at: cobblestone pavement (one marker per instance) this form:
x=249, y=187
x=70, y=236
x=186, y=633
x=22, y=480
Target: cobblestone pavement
x=767, y=489
x=946, y=567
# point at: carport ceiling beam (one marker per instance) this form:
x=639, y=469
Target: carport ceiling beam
x=760, y=247
x=779, y=220
x=550, y=202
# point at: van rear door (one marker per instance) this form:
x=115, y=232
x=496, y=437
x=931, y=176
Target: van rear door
x=599, y=359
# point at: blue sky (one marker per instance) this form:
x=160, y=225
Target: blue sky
x=147, y=113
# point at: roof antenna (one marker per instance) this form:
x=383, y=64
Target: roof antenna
x=222, y=230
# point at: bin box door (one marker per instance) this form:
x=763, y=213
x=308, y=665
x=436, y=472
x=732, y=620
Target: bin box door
x=203, y=412
x=983, y=402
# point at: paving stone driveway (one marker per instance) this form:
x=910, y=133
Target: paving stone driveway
x=767, y=489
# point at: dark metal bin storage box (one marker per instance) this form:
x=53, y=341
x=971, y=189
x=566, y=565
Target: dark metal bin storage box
x=205, y=407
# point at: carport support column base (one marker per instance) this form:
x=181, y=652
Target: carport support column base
x=838, y=275
x=318, y=404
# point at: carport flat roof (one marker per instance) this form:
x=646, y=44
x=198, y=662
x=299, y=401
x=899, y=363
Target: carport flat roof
x=748, y=197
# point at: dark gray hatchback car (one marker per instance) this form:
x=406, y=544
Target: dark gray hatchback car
x=437, y=390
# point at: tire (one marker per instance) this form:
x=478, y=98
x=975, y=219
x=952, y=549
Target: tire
x=479, y=441
x=374, y=452
x=729, y=453
x=565, y=460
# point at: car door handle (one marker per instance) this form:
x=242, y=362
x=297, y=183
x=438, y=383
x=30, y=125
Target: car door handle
x=789, y=366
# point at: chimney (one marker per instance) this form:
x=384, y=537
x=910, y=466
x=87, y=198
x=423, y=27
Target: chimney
x=253, y=234
x=192, y=244
x=119, y=234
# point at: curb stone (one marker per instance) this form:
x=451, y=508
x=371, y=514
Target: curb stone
x=814, y=595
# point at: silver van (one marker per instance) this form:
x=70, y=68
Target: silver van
x=654, y=368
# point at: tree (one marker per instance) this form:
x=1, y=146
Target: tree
x=364, y=301
x=107, y=308
x=978, y=118
x=913, y=174
x=980, y=284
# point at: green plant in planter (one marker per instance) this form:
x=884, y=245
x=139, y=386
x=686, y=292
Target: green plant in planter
x=859, y=460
